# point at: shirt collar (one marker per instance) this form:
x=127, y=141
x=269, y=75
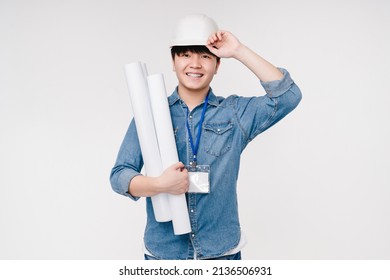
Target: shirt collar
x=174, y=97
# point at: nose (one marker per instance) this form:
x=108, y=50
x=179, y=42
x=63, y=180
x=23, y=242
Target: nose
x=195, y=61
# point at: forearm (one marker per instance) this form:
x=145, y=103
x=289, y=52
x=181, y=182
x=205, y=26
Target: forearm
x=174, y=180
x=264, y=70
x=144, y=186
x=225, y=44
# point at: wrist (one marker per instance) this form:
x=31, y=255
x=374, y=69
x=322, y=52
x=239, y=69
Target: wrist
x=158, y=185
x=240, y=52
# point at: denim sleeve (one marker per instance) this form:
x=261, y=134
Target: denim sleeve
x=128, y=163
x=257, y=114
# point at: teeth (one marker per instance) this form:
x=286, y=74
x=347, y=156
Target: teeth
x=194, y=75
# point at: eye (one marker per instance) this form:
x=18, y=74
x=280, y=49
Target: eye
x=206, y=56
x=185, y=55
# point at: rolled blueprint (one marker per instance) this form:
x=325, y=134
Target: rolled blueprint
x=167, y=147
x=139, y=96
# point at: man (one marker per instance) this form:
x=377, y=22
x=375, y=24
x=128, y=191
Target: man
x=211, y=132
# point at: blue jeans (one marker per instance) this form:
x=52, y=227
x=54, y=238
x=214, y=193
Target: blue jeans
x=236, y=256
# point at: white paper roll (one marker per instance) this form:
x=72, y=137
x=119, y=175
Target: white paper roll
x=167, y=147
x=139, y=96
x=145, y=71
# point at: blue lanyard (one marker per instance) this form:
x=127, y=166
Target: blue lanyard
x=195, y=147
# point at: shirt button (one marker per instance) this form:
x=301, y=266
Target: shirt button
x=190, y=116
x=193, y=235
x=192, y=210
x=218, y=129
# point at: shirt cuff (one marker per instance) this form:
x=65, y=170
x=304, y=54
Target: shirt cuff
x=124, y=180
x=278, y=87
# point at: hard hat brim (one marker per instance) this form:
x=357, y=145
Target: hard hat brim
x=189, y=43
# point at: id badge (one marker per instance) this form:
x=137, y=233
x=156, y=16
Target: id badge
x=199, y=178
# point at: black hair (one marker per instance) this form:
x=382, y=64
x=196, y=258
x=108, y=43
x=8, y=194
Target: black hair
x=178, y=50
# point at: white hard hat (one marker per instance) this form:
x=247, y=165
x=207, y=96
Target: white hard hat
x=193, y=30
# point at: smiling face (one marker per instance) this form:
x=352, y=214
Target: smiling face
x=194, y=71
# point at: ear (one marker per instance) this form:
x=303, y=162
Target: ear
x=173, y=65
x=217, y=67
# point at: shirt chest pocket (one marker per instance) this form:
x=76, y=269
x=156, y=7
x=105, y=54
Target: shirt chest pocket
x=218, y=137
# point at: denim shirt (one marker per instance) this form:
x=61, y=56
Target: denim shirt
x=229, y=125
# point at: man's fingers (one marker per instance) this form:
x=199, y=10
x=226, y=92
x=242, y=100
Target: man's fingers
x=178, y=165
x=220, y=34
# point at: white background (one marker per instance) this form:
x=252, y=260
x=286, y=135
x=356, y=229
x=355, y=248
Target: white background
x=315, y=186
